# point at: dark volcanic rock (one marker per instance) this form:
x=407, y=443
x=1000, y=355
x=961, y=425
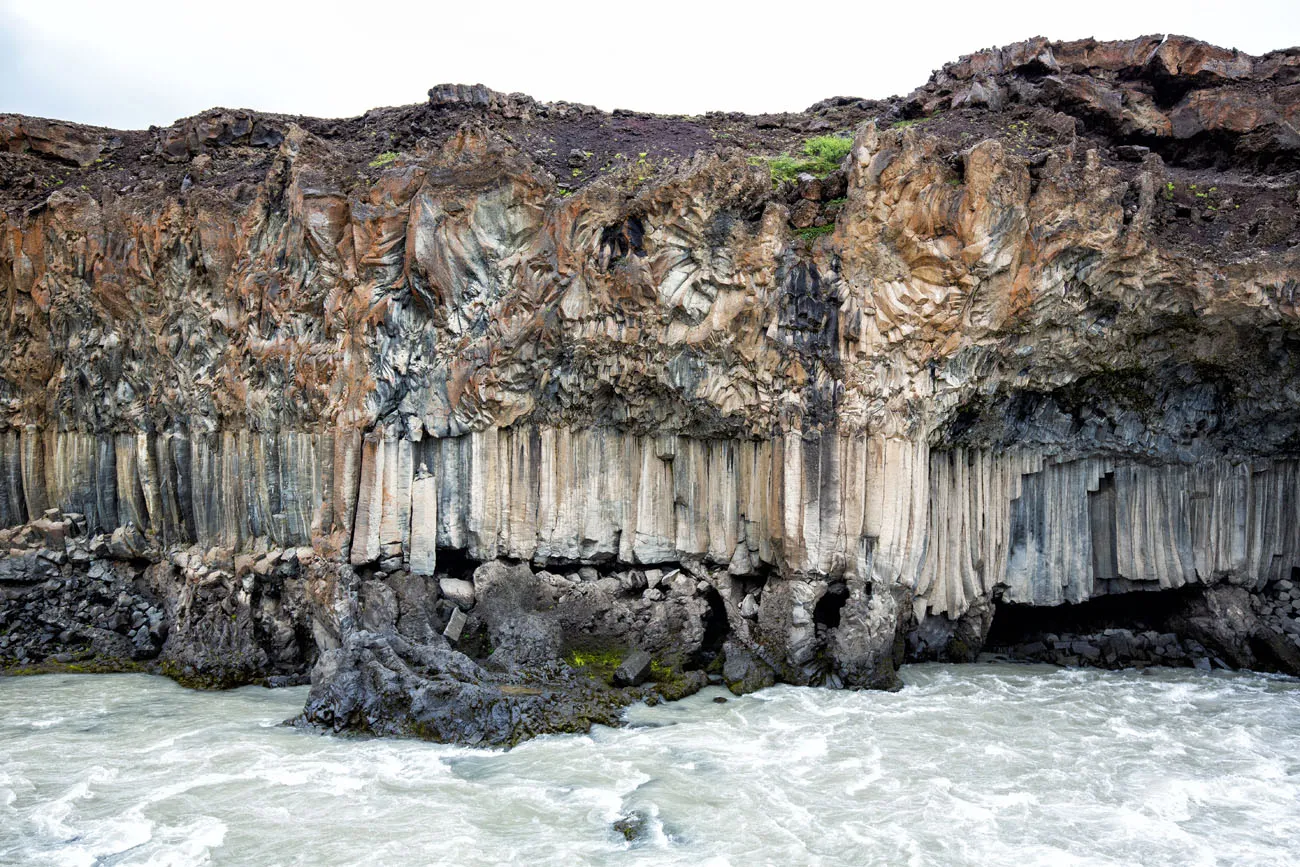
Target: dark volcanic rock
x=1203, y=627
x=1224, y=620
x=633, y=670
x=520, y=634
x=743, y=671
x=384, y=683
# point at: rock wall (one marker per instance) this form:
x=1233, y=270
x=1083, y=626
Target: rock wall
x=1034, y=339
x=220, y=490
x=955, y=526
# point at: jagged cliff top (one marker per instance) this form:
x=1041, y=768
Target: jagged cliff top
x=1032, y=216
x=1197, y=105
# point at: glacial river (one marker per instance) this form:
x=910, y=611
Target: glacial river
x=968, y=765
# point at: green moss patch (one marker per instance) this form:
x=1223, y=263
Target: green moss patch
x=819, y=156
x=812, y=232
x=599, y=663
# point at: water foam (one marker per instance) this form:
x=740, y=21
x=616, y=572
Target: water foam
x=987, y=765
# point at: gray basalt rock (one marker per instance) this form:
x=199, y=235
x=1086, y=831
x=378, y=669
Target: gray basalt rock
x=1224, y=619
x=385, y=685
x=127, y=543
x=616, y=614
x=519, y=633
x=387, y=682
x=867, y=646
x=743, y=671
x=417, y=605
x=458, y=591
x=222, y=634
x=634, y=669
x=378, y=605
x=455, y=625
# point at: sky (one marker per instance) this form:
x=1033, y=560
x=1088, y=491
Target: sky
x=129, y=65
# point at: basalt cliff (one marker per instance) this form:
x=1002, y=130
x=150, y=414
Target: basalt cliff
x=475, y=407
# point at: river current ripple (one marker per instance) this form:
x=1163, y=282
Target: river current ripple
x=968, y=765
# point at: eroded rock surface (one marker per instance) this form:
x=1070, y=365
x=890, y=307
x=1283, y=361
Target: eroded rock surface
x=436, y=397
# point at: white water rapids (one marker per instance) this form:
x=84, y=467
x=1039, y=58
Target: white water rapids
x=968, y=765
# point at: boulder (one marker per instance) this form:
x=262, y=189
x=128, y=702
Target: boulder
x=455, y=625
x=507, y=605
x=378, y=606
x=127, y=543
x=742, y=670
x=634, y=669
x=868, y=644
x=458, y=591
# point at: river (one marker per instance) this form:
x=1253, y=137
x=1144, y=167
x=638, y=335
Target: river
x=989, y=764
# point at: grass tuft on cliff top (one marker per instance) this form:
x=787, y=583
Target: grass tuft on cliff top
x=821, y=155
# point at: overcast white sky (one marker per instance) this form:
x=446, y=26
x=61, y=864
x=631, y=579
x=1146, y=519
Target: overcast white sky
x=131, y=64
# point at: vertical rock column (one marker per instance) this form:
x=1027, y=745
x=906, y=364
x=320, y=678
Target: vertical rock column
x=485, y=493
x=365, y=546
x=1276, y=490
x=968, y=539
x=395, y=522
x=13, y=504
x=1160, y=526
x=654, y=529
x=32, y=447
x=424, y=522
x=896, y=513
x=520, y=469
x=348, y=451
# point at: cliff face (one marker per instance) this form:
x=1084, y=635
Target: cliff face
x=1036, y=339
